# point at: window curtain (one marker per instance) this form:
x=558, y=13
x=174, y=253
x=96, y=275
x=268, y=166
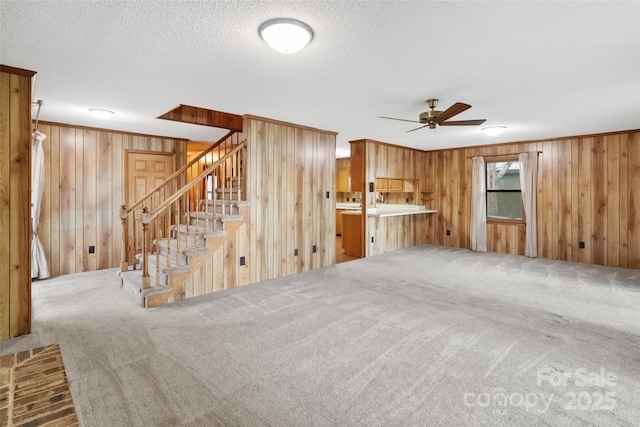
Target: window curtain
x=39, y=267
x=529, y=187
x=478, y=206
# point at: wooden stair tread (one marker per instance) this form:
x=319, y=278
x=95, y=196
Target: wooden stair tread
x=193, y=243
x=191, y=230
x=134, y=277
x=164, y=260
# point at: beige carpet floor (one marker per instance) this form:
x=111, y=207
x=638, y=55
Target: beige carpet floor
x=425, y=336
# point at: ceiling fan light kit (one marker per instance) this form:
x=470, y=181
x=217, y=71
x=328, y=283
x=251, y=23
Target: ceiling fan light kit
x=286, y=35
x=435, y=117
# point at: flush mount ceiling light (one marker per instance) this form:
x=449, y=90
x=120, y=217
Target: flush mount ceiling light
x=286, y=35
x=101, y=113
x=494, y=130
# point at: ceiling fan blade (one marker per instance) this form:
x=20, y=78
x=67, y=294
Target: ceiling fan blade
x=402, y=120
x=464, y=123
x=418, y=128
x=455, y=109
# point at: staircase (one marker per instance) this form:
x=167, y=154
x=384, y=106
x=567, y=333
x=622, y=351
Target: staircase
x=173, y=236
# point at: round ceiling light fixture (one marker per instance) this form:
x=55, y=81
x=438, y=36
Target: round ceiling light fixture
x=286, y=35
x=101, y=113
x=493, y=130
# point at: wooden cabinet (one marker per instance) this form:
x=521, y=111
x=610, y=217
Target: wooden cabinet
x=352, y=235
x=15, y=202
x=339, y=222
x=396, y=185
x=382, y=185
x=344, y=180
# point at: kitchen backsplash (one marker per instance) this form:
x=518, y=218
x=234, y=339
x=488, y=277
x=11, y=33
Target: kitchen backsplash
x=346, y=197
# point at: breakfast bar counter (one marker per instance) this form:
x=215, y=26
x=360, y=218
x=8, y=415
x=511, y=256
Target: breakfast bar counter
x=389, y=227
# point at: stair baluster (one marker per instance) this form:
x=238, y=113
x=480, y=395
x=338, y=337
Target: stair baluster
x=145, y=219
x=185, y=215
x=124, y=262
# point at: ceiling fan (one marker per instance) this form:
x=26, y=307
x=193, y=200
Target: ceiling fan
x=434, y=117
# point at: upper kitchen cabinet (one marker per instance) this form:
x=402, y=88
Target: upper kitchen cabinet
x=344, y=180
x=343, y=175
x=394, y=185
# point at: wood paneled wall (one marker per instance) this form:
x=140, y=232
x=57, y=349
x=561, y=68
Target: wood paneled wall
x=587, y=191
x=15, y=202
x=84, y=188
x=396, y=232
x=290, y=170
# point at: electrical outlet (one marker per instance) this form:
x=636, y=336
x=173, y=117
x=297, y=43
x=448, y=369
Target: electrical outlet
x=581, y=245
x=92, y=249
x=371, y=239
x=314, y=249
x=448, y=232
x=242, y=261
x=328, y=195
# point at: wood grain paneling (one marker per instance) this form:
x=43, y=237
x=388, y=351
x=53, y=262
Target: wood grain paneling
x=587, y=192
x=395, y=232
x=84, y=189
x=633, y=200
x=15, y=202
x=5, y=185
x=290, y=170
x=221, y=269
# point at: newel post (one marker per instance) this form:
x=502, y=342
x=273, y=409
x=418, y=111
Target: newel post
x=145, y=219
x=124, y=263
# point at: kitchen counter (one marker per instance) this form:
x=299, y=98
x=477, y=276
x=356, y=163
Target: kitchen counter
x=391, y=210
x=341, y=208
x=389, y=227
x=348, y=206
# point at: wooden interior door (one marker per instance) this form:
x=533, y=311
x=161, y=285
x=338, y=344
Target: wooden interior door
x=145, y=171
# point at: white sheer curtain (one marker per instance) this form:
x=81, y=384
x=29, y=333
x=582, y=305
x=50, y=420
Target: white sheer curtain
x=529, y=187
x=39, y=267
x=478, y=206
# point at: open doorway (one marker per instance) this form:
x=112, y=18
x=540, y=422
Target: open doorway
x=340, y=255
x=346, y=200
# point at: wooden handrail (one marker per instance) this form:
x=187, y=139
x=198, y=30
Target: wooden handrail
x=195, y=181
x=181, y=170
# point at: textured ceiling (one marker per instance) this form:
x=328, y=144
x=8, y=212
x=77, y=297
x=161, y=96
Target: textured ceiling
x=544, y=69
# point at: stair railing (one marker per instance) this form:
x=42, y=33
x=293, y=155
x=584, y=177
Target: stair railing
x=205, y=217
x=189, y=184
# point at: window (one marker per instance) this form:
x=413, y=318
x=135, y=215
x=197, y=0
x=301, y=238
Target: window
x=504, y=197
